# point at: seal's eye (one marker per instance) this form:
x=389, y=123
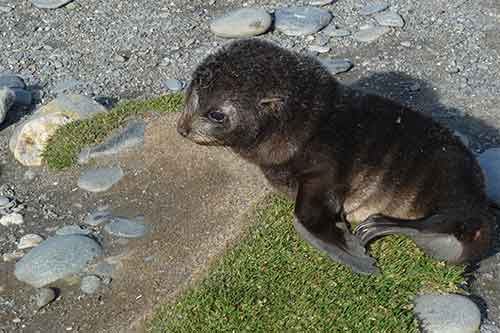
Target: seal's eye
x=216, y=116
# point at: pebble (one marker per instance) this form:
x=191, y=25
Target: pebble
x=7, y=98
x=336, y=66
x=7, y=257
x=12, y=219
x=29, y=241
x=389, y=19
x=243, y=22
x=11, y=81
x=374, y=7
x=131, y=136
x=319, y=48
x=321, y=2
x=173, y=85
x=43, y=297
x=126, y=228
x=72, y=230
x=56, y=258
x=90, y=284
x=490, y=163
x=66, y=85
x=97, y=217
x=340, y=33
x=301, y=21
x=5, y=9
x=4, y=202
x=50, y=4
x=370, y=34
x=447, y=313
x=101, y=179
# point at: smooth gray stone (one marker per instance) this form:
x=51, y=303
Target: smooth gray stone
x=243, y=22
x=374, y=7
x=132, y=136
x=90, y=284
x=22, y=97
x=11, y=81
x=100, y=180
x=126, y=228
x=50, y=4
x=72, y=230
x=43, y=297
x=389, y=19
x=173, y=85
x=4, y=202
x=56, y=258
x=336, y=66
x=97, y=217
x=7, y=98
x=447, y=313
x=490, y=163
x=301, y=21
x=370, y=34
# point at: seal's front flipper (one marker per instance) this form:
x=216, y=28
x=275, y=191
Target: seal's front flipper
x=350, y=253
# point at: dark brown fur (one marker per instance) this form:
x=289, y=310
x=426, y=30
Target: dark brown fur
x=343, y=155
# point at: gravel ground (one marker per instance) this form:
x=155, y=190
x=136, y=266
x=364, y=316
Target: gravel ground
x=444, y=62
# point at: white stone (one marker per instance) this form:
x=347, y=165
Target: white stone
x=244, y=22
x=12, y=219
x=30, y=138
x=390, y=19
x=29, y=241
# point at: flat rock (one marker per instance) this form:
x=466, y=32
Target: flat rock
x=244, y=22
x=128, y=138
x=301, y=21
x=389, y=19
x=11, y=219
x=101, y=179
x=11, y=81
x=90, y=284
x=72, y=230
x=30, y=137
x=97, y=217
x=126, y=228
x=50, y=4
x=370, y=34
x=336, y=66
x=56, y=258
x=374, y=7
x=490, y=163
x=447, y=314
x=29, y=241
x=43, y=297
x=7, y=98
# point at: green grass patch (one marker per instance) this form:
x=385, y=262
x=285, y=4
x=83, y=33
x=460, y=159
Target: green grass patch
x=274, y=282
x=63, y=147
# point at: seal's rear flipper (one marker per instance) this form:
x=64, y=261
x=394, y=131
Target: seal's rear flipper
x=454, y=238
x=350, y=252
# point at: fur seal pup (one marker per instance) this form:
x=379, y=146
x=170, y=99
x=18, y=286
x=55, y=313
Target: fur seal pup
x=342, y=155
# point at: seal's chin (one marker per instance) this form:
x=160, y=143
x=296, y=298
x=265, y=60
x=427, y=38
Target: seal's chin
x=205, y=141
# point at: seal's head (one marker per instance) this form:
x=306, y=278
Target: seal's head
x=247, y=91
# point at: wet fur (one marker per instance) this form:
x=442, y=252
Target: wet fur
x=361, y=153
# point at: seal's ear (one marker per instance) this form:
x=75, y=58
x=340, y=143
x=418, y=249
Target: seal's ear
x=274, y=103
